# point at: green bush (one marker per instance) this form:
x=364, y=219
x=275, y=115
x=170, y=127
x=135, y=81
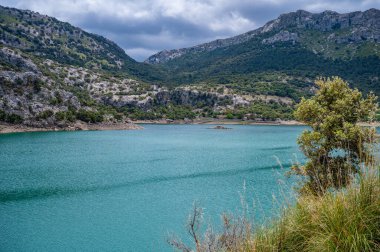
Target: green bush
x=174, y=112
x=37, y=86
x=10, y=118
x=89, y=116
x=347, y=220
x=65, y=116
x=266, y=111
x=333, y=115
x=2, y=115
x=230, y=116
x=13, y=118
x=45, y=115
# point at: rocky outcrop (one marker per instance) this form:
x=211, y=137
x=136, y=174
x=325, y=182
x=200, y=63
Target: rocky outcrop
x=163, y=97
x=326, y=21
x=282, y=36
x=12, y=58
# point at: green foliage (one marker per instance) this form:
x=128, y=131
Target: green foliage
x=344, y=220
x=173, y=112
x=377, y=117
x=57, y=99
x=89, y=116
x=10, y=118
x=230, y=116
x=36, y=83
x=45, y=115
x=266, y=111
x=69, y=116
x=233, y=63
x=2, y=115
x=336, y=145
x=348, y=220
x=82, y=95
x=66, y=44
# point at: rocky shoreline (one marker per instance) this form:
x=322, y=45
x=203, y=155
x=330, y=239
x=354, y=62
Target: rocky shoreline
x=136, y=125
x=213, y=121
x=15, y=128
x=207, y=121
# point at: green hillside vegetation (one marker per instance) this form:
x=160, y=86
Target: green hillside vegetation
x=48, y=38
x=252, y=58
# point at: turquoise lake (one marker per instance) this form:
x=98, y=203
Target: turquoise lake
x=129, y=190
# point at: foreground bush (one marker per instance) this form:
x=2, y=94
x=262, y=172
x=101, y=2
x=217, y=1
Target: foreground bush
x=348, y=220
x=345, y=220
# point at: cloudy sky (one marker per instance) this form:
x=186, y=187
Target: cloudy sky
x=144, y=27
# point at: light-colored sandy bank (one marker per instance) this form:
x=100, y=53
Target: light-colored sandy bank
x=218, y=121
x=11, y=128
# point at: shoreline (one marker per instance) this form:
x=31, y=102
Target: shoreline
x=219, y=121
x=6, y=128
x=237, y=122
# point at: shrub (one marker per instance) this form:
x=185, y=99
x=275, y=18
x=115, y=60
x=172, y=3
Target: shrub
x=45, y=114
x=89, y=116
x=2, y=115
x=65, y=116
x=37, y=85
x=230, y=116
x=10, y=118
x=348, y=220
x=344, y=220
x=336, y=145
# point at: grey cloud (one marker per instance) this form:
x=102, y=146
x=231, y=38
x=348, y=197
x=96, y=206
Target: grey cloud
x=144, y=27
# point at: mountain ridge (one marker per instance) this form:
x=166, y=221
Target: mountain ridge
x=51, y=38
x=300, y=17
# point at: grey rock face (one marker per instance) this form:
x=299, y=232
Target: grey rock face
x=282, y=36
x=179, y=96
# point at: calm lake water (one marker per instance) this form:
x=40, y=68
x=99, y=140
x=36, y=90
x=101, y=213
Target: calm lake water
x=129, y=190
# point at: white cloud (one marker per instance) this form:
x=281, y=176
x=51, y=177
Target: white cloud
x=146, y=26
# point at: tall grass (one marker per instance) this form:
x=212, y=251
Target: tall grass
x=343, y=220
